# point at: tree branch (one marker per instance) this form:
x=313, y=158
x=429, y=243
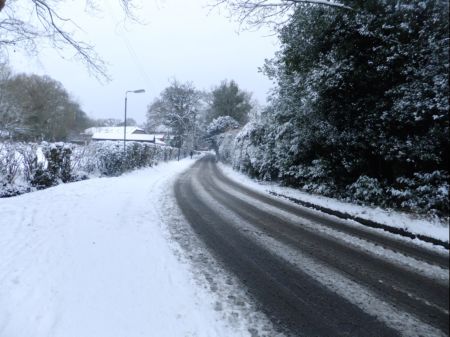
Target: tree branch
x=49, y=25
x=259, y=12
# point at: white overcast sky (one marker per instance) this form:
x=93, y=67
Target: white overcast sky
x=179, y=39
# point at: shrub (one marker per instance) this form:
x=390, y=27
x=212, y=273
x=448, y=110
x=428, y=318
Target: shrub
x=9, y=163
x=367, y=190
x=30, y=164
x=110, y=159
x=58, y=162
x=423, y=191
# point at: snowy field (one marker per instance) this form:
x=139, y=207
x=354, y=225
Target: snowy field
x=93, y=259
x=417, y=225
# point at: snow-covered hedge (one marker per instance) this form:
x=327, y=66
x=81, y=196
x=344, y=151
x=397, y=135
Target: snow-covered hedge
x=221, y=133
x=253, y=151
x=111, y=160
x=26, y=167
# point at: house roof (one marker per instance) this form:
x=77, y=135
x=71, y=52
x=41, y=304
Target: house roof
x=135, y=137
x=133, y=133
x=113, y=130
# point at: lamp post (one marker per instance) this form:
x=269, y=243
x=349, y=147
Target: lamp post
x=139, y=91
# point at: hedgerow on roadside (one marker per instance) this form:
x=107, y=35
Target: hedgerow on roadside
x=26, y=167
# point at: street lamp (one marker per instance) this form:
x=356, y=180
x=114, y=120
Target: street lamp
x=139, y=91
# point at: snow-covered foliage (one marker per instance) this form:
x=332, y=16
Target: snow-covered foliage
x=111, y=159
x=367, y=189
x=229, y=100
x=221, y=124
x=225, y=145
x=360, y=111
x=9, y=171
x=428, y=191
x=220, y=135
x=36, y=107
x=26, y=167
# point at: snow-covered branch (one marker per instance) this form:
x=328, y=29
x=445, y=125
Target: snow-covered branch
x=27, y=24
x=259, y=12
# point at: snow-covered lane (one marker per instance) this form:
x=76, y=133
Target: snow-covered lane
x=309, y=267
x=92, y=259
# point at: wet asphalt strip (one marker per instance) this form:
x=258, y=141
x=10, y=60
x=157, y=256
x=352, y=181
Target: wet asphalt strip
x=291, y=298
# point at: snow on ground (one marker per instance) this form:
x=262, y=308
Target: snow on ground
x=92, y=259
x=417, y=225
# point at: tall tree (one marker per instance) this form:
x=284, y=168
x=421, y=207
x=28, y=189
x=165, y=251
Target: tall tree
x=44, y=108
x=228, y=100
x=9, y=114
x=177, y=107
x=362, y=102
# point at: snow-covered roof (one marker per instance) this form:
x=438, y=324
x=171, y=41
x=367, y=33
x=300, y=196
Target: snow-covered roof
x=113, y=130
x=133, y=133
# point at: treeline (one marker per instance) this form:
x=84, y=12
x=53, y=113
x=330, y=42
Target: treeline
x=186, y=113
x=361, y=106
x=36, y=108
x=39, y=108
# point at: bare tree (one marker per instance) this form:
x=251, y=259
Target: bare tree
x=25, y=22
x=9, y=114
x=42, y=109
x=177, y=107
x=273, y=12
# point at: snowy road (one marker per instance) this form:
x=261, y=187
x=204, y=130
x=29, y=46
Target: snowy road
x=315, y=275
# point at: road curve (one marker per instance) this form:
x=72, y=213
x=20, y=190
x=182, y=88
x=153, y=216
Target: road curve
x=312, y=274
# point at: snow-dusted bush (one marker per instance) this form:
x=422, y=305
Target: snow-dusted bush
x=55, y=169
x=225, y=145
x=58, y=156
x=427, y=191
x=246, y=155
x=9, y=163
x=314, y=177
x=30, y=163
x=367, y=190
x=9, y=171
x=108, y=158
x=221, y=133
x=221, y=125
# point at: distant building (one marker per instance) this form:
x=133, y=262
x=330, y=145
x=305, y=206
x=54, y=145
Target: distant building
x=133, y=133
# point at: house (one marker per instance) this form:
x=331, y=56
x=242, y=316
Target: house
x=133, y=133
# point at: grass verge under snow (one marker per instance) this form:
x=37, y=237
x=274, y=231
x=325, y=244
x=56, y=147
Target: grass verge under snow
x=414, y=224
x=92, y=259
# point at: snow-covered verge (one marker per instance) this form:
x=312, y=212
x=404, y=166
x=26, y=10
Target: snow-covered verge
x=432, y=227
x=26, y=167
x=92, y=259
